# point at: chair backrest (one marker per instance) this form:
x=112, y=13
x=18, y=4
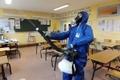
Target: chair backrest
x=0, y=45
x=93, y=42
x=44, y=42
x=56, y=41
x=13, y=45
x=117, y=41
x=2, y=53
x=107, y=40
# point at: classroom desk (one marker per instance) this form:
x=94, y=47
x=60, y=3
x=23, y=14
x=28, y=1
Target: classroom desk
x=40, y=43
x=47, y=46
x=4, y=60
x=104, y=57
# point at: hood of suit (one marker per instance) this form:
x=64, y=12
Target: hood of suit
x=82, y=19
x=85, y=17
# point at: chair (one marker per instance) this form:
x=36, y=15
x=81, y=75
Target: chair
x=42, y=48
x=114, y=73
x=49, y=49
x=106, y=41
x=118, y=45
x=93, y=43
x=31, y=38
x=90, y=51
x=3, y=53
x=4, y=60
x=55, y=55
x=14, y=49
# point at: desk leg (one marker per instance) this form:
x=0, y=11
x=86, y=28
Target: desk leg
x=41, y=53
x=52, y=60
x=109, y=66
x=45, y=54
x=94, y=68
x=36, y=48
x=3, y=73
x=55, y=63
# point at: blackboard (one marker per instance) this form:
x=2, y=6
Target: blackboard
x=27, y=25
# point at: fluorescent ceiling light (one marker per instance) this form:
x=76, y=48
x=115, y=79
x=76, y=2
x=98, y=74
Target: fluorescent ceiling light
x=8, y=1
x=61, y=7
x=14, y=15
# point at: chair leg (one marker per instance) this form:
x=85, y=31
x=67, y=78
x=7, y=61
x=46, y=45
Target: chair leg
x=7, y=55
x=3, y=73
x=9, y=68
x=45, y=54
x=55, y=63
x=52, y=60
x=118, y=59
x=19, y=53
x=41, y=52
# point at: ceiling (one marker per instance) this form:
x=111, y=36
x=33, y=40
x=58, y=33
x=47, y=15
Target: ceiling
x=49, y=5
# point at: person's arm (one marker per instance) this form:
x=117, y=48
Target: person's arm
x=60, y=36
x=87, y=38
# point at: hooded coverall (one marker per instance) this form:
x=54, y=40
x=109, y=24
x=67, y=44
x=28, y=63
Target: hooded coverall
x=80, y=37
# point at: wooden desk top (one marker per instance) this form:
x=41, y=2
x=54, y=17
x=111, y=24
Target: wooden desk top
x=57, y=44
x=109, y=44
x=3, y=59
x=5, y=49
x=54, y=41
x=105, y=56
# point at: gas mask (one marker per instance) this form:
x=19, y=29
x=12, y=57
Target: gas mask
x=78, y=18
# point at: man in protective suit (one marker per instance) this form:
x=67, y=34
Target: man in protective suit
x=80, y=36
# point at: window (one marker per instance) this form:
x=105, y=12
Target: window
x=112, y=10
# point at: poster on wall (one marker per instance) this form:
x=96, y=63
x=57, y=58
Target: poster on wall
x=43, y=22
x=12, y=24
x=4, y=25
x=7, y=25
x=101, y=25
x=114, y=24
x=117, y=23
x=106, y=25
x=109, y=25
x=17, y=23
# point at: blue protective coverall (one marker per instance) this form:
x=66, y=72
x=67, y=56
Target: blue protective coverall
x=80, y=37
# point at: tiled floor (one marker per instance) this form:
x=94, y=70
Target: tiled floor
x=31, y=67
